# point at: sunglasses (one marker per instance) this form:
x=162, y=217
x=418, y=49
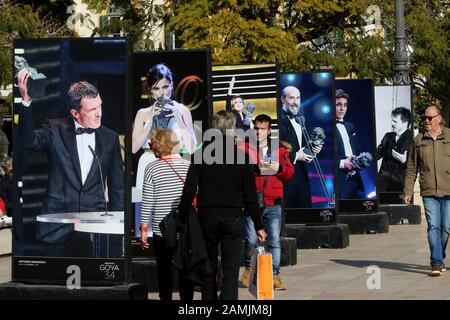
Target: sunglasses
x=429, y=118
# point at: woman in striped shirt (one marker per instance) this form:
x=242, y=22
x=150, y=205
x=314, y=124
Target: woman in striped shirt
x=163, y=185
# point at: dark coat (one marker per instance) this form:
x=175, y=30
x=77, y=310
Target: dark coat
x=391, y=175
x=191, y=256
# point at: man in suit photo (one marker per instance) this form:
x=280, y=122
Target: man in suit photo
x=350, y=182
x=297, y=191
x=74, y=178
x=393, y=150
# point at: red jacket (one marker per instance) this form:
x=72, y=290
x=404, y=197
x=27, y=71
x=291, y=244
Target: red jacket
x=274, y=185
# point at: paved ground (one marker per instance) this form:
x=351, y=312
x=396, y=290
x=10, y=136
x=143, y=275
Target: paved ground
x=402, y=255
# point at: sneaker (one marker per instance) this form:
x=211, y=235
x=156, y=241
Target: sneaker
x=278, y=284
x=5, y=221
x=443, y=268
x=435, y=271
x=245, y=279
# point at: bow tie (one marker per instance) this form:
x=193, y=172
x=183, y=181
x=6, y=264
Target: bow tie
x=339, y=121
x=289, y=115
x=80, y=130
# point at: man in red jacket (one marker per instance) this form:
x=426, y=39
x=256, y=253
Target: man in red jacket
x=272, y=169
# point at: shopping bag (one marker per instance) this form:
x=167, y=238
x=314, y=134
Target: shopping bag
x=261, y=278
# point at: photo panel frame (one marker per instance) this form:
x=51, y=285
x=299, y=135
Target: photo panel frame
x=190, y=87
x=394, y=123
x=306, y=120
x=69, y=203
x=356, y=144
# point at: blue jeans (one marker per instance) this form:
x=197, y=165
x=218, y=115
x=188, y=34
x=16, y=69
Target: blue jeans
x=437, y=210
x=272, y=223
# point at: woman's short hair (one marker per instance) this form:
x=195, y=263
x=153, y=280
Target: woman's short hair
x=164, y=142
x=223, y=121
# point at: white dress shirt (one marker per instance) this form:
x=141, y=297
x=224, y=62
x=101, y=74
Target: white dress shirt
x=346, y=140
x=84, y=154
x=298, y=132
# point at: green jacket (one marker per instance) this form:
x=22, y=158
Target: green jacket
x=430, y=158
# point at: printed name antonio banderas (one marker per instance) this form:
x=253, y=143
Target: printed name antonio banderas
x=247, y=310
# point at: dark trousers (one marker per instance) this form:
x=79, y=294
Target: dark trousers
x=297, y=191
x=164, y=257
x=350, y=187
x=228, y=233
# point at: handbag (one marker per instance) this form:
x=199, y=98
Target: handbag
x=169, y=227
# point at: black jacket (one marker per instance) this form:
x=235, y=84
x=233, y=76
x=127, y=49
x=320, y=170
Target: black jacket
x=224, y=187
x=391, y=175
x=191, y=255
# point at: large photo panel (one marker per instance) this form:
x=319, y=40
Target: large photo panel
x=252, y=86
x=307, y=123
x=250, y=92
x=178, y=80
x=70, y=110
x=355, y=143
x=394, y=139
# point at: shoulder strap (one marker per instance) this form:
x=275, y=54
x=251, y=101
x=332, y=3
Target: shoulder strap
x=265, y=183
x=171, y=167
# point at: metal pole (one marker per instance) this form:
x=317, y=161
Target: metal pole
x=401, y=67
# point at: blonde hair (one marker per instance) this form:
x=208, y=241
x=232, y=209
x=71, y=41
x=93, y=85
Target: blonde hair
x=223, y=121
x=164, y=142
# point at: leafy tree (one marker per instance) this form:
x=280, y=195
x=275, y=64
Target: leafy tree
x=235, y=31
x=141, y=20
x=23, y=21
x=428, y=33
x=313, y=34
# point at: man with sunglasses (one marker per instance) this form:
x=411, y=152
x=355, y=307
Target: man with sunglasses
x=429, y=156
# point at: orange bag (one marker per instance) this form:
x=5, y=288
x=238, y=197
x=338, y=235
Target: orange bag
x=261, y=277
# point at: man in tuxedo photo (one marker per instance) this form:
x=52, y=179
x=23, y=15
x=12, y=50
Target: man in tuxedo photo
x=350, y=182
x=75, y=146
x=297, y=191
x=394, y=149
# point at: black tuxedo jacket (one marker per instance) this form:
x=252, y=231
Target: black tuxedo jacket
x=65, y=191
x=347, y=189
x=391, y=175
x=287, y=133
x=297, y=191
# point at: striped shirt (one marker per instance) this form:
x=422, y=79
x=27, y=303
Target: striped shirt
x=162, y=190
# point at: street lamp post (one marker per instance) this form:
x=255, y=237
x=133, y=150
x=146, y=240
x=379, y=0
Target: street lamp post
x=401, y=67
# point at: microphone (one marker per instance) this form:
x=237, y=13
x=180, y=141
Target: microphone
x=301, y=121
x=106, y=214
